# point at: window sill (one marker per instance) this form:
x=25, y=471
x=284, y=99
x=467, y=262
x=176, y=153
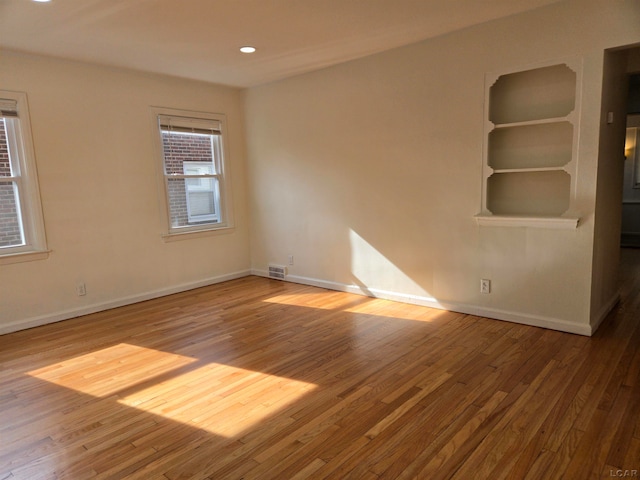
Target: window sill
x=10, y=258
x=565, y=223
x=190, y=234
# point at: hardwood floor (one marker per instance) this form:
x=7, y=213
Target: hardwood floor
x=260, y=379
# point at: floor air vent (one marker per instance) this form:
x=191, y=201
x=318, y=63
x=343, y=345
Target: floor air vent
x=277, y=271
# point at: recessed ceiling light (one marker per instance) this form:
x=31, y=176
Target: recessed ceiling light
x=42, y=1
x=247, y=49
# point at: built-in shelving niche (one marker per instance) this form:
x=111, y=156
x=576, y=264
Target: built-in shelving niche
x=531, y=147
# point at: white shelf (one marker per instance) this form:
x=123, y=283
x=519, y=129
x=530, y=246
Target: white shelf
x=564, y=223
x=546, y=92
x=528, y=170
x=530, y=152
x=527, y=123
x=541, y=145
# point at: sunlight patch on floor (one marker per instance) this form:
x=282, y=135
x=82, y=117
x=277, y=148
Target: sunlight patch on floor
x=397, y=310
x=361, y=305
x=221, y=399
x=109, y=370
x=324, y=300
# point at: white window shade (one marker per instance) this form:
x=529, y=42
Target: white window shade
x=8, y=108
x=189, y=125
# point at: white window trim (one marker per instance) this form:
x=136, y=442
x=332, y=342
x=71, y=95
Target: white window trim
x=20, y=141
x=170, y=233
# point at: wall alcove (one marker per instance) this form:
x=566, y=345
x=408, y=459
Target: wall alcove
x=530, y=150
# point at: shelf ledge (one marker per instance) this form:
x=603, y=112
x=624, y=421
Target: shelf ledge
x=528, y=170
x=540, y=121
x=566, y=223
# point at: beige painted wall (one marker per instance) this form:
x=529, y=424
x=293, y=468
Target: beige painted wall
x=92, y=130
x=369, y=173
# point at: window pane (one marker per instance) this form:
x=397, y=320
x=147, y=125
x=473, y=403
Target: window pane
x=195, y=206
x=201, y=203
x=11, y=233
x=186, y=147
x=5, y=165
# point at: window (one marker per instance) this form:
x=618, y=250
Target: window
x=21, y=227
x=193, y=171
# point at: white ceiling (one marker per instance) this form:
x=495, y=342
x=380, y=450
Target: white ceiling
x=199, y=39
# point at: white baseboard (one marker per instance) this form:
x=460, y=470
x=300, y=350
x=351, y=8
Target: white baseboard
x=98, y=307
x=526, y=319
x=516, y=317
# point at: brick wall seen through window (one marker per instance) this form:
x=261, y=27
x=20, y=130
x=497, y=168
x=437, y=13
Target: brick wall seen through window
x=10, y=233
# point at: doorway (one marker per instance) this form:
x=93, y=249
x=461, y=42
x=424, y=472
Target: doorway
x=630, y=235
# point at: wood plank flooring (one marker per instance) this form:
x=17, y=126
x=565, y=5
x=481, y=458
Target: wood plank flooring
x=260, y=379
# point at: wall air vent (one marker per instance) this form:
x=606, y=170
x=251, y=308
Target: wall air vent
x=277, y=271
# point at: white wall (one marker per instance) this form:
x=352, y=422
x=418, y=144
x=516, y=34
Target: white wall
x=92, y=130
x=369, y=173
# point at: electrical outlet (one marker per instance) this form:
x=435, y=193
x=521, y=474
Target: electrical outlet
x=290, y=259
x=485, y=285
x=81, y=289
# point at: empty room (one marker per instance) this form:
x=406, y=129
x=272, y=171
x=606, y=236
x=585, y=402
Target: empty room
x=322, y=239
